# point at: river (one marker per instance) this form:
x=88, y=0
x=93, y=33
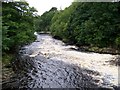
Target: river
x=50, y=63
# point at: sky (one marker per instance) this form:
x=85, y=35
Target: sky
x=46, y=5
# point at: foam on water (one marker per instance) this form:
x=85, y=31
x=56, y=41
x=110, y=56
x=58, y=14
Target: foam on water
x=56, y=49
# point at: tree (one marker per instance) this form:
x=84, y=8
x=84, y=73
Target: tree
x=17, y=25
x=43, y=22
x=91, y=24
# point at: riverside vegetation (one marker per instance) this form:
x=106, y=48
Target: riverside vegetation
x=17, y=27
x=17, y=30
x=92, y=26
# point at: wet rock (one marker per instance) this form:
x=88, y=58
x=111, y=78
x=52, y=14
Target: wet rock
x=115, y=61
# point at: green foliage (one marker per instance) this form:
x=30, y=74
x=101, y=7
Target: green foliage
x=17, y=25
x=7, y=58
x=91, y=24
x=117, y=41
x=60, y=22
x=43, y=22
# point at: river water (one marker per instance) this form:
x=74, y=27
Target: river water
x=55, y=65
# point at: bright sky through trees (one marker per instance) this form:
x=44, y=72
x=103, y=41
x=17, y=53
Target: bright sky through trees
x=46, y=5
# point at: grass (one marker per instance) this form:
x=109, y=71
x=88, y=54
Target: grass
x=7, y=58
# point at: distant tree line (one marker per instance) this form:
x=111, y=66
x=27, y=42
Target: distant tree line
x=43, y=22
x=84, y=24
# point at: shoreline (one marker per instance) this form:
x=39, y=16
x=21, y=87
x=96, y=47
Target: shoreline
x=94, y=49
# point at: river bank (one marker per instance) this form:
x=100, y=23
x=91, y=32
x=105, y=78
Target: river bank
x=100, y=50
x=104, y=50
